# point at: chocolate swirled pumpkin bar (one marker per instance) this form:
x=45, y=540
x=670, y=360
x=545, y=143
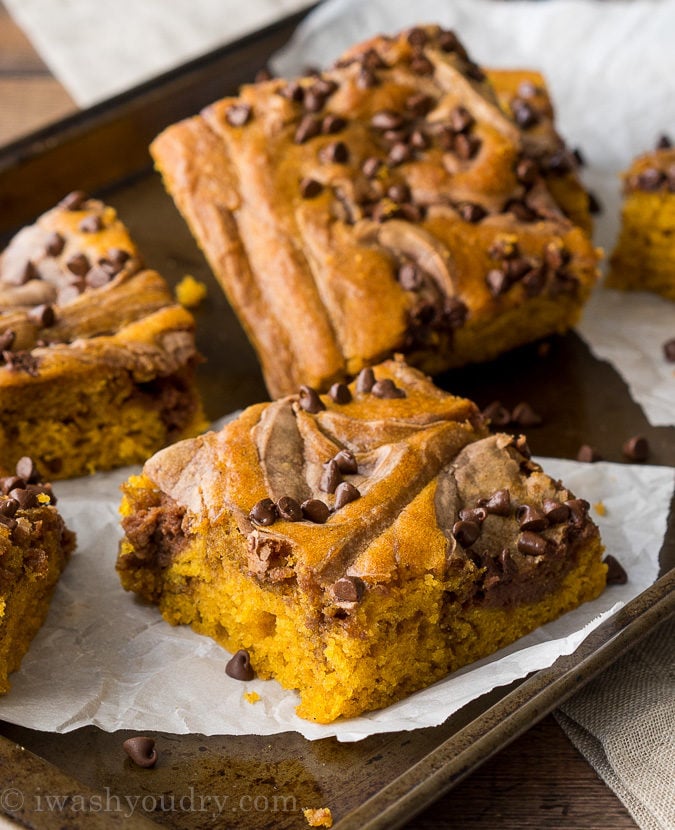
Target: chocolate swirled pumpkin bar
x=35, y=546
x=96, y=358
x=359, y=545
x=404, y=201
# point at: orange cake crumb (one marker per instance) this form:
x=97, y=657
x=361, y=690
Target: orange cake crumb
x=319, y=817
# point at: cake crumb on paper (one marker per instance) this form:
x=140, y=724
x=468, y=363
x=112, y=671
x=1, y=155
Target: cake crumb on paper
x=320, y=817
x=252, y=697
x=600, y=508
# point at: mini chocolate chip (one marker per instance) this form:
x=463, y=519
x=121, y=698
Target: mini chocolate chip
x=334, y=153
x=497, y=281
x=449, y=42
x=345, y=493
x=419, y=104
x=91, y=224
x=315, y=511
x=460, y=119
x=555, y=511
x=9, y=483
x=664, y=142
x=239, y=666
x=314, y=100
x=371, y=167
x=308, y=127
x=339, y=393
x=310, y=401
x=669, y=350
x=517, y=268
x=263, y=512
x=524, y=415
x=309, y=188
x=474, y=71
x=238, y=115
x=650, y=179
x=499, y=503
x=636, y=448
x=372, y=59
x=118, y=256
x=262, y=75
x=7, y=339
x=616, y=574
x=349, y=589
x=399, y=192
x=532, y=544
x=293, y=91
x=97, y=277
x=8, y=507
x=346, y=462
x=466, y=532
x=399, y=154
x=524, y=114
x=289, y=509
x=55, y=244
x=26, y=469
x=387, y=120
x=141, y=750
x=498, y=415
x=531, y=518
x=473, y=514
x=324, y=86
x=417, y=37
x=467, y=146
x=471, y=212
x=386, y=388
x=520, y=210
x=588, y=454
x=578, y=510
x=331, y=476
x=421, y=65
x=526, y=89
x=42, y=315
x=27, y=498
x=366, y=79
x=594, y=204
x=365, y=380
x=559, y=163
x=419, y=140
x=78, y=264
x=333, y=124
x=534, y=281
x=527, y=171
x=74, y=200
x=409, y=276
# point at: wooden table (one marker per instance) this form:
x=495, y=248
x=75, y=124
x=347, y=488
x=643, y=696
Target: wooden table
x=540, y=780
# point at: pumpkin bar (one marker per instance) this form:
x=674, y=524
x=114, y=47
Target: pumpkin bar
x=403, y=201
x=34, y=548
x=644, y=257
x=358, y=545
x=96, y=358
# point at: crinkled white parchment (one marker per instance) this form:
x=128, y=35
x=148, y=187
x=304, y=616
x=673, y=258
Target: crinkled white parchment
x=105, y=658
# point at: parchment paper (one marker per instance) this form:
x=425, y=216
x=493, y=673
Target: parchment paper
x=104, y=658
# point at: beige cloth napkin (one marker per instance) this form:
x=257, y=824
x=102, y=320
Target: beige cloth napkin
x=623, y=722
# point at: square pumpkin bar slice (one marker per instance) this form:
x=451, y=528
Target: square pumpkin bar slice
x=358, y=545
x=97, y=360
x=403, y=201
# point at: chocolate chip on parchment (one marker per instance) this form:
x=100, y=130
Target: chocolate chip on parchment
x=531, y=518
x=238, y=114
x=91, y=224
x=345, y=493
x=386, y=388
x=636, y=448
x=532, y=544
x=594, y=204
x=466, y=532
x=339, y=393
x=309, y=188
x=315, y=510
x=365, y=380
x=669, y=350
x=289, y=509
x=588, y=454
x=74, y=200
x=616, y=574
x=263, y=512
x=524, y=415
x=331, y=476
x=54, y=244
x=310, y=401
x=141, y=750
x=239, y=666
x=664, y=142
x=349, y=589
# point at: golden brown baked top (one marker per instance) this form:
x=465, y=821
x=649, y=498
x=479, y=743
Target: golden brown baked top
x=378, y=206
x=73, y=291
x=381, y=481
x=652, y=172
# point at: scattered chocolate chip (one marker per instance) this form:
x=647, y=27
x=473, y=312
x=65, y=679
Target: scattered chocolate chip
x=473, y=514
x=531, y=518
x=555, y=511
x=636, y=448
x=331, y=476
x=365, y=380
x=42, y=315
x=524, y=415
x=346, y=462
x=594, y=204
x=26, y=469
x=371, y=167
x=263, y=512
x=55, y=244
x=526, y=89
x=498, y=415
x=616, y=574
x=339, y=393
x=315, y=511
x=532, y=544
x=578, y=510
x=588, y=454
x=333, y=124
x=664, y=142
x=334, y=153
x=578, y=156
x=78, y=264
x=324, y=86
x=141, y=750
x=238, y=115
x=345, y=493
x=74, y=200
x=386, y=388
x=348, y=589
x=669, y=350
x=91, y=224
x=239, y=666
x=308, y=127
x=309, y=188
x=466, y=532
x=471, y=212
x=499, y=503
x=310, y=401
x=289, y=509
x=497, y=281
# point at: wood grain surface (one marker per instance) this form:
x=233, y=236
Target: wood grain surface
x=540, y=780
